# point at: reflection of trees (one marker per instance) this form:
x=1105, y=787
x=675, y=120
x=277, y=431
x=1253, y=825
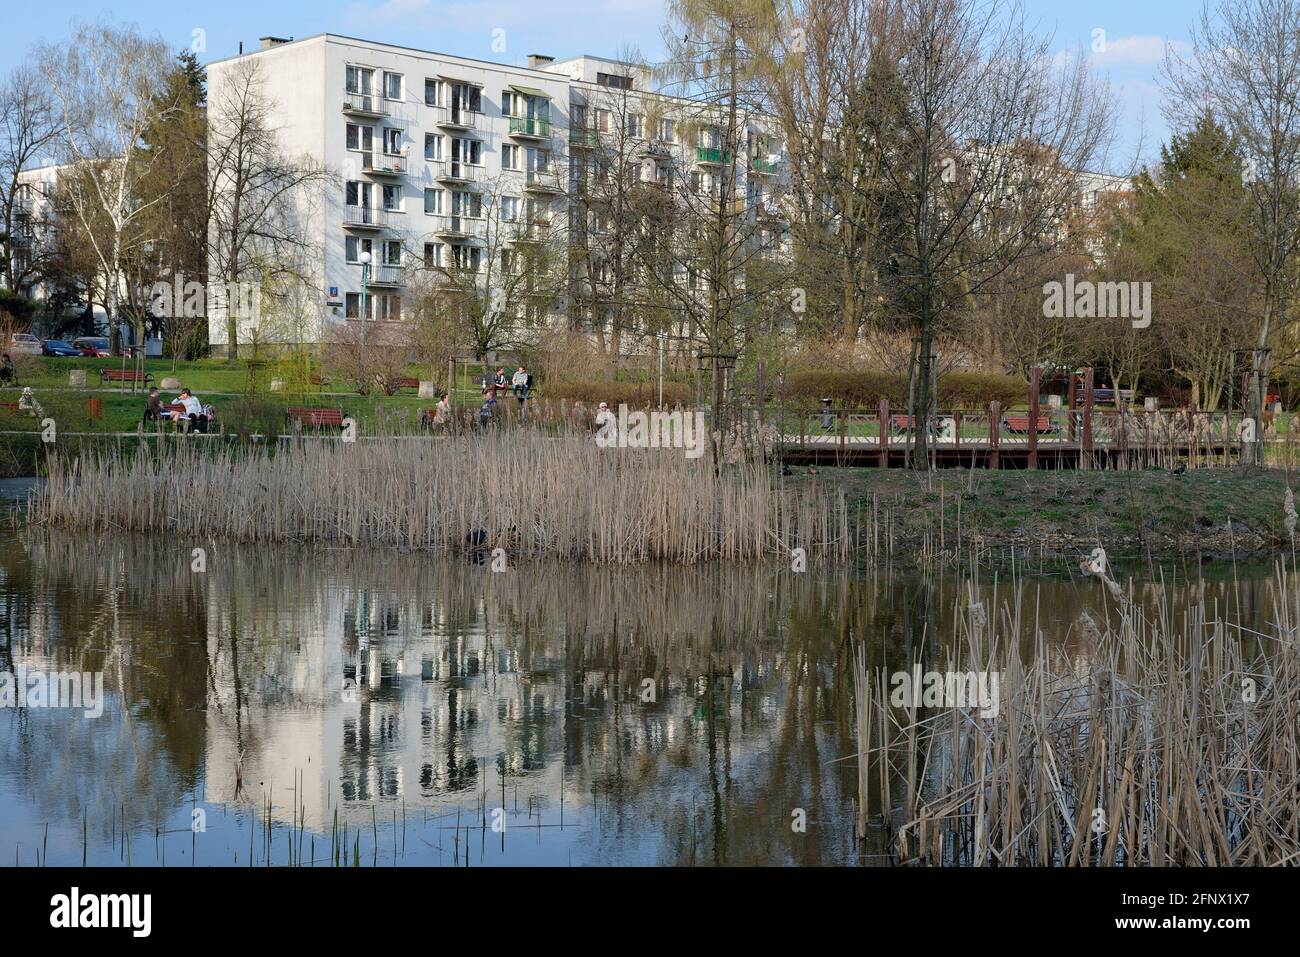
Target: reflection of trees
x=536, y=674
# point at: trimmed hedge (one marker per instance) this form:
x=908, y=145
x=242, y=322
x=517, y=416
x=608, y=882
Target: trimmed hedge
x=864, y=390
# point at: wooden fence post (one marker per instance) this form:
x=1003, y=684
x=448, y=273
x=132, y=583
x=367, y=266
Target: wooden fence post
x=1035, y=375
x=1085, y=449
x=995, y=427
x=884, y=433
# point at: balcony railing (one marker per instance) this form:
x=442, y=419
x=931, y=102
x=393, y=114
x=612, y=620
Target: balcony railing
x=583, y=139
x=543, y=181
x=382, y=164
x=765, y=167
x=711, y=156
x=387, y=276
x=459, y=118
x=364, y=104
x=459, y=171
x=365, y=217
x=468, y=227
x=530, y=127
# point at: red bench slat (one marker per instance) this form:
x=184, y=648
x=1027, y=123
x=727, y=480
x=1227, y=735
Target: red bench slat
x=309, y=416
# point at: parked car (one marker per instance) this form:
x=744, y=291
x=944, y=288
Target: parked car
x=57, y=347
x=25, y=344
x=92, y=346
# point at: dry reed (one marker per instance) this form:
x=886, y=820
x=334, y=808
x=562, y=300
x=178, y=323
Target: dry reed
x=531, y=494
x=1174, y=739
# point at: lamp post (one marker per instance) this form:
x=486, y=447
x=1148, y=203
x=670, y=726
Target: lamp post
x=365, y=276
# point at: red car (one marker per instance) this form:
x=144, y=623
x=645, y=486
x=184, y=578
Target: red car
x=95, y=347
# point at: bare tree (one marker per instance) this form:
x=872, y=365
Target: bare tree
x=259, y=196
x=106, y=91
x=981, y=131
x=716, y=251
x=1244, y=67
x=28, y=131
x=494, y=269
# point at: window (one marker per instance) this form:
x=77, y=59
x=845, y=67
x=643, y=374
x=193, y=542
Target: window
x=668, y=131
x=359, y=80
x=433, y=201
x=509, y=208
x=357, y=193
x=466, y=151
x=604, y=121
x=510, y=156
x=508, y=103
x=389, y=306
x=392, y=252
x=432, y=147
x=361, y=138
x=393, y=142
x=352, y=306
x=614, y=80
x=432, y=255
x=392, y=86
x=635, y=125
x=433, y=92
x=355, y=246
x=467, y=97
x=578, y=116
x=464, y=203
x=467, y=258
x=393, y=197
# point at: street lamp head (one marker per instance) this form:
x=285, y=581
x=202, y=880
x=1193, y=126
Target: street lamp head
x=365, y=259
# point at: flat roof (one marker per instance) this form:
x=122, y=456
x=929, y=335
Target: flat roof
x=343, y=38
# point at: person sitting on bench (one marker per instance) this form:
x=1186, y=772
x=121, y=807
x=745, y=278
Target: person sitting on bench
x=193, y=410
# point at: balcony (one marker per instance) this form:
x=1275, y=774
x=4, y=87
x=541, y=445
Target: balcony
x=364, y=104
x=23, y=208
x=658, y=148
x=386, y=277
x=364, y=217
x=459, y=118
x=708, y=156
x=543, y=181
x=765, y=167
x=456, y=171
x=583, y=139
x=529, y=128
x=383, y=164
x=459, y=227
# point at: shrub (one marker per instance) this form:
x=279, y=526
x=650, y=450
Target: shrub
x=634, y=394
x=864, y=389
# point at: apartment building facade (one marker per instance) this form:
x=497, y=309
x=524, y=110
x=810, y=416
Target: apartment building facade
x=429, y=153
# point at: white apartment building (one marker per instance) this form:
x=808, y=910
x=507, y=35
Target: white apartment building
x=414, y=137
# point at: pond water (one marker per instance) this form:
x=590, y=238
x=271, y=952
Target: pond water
x=320, y=706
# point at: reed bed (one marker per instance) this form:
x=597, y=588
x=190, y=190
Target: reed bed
x=531, y=494
x=1168, y=738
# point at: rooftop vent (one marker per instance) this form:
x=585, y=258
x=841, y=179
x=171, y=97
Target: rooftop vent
x=538, y=60
x=268, y=42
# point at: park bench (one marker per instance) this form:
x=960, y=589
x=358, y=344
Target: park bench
x=9, y=407
x=316, y=417
x=901, y=423
x=1019, y=424
x=124, y=375
x=408, y=383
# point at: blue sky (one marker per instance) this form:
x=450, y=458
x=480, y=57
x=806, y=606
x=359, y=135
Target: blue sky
x=1136, y=31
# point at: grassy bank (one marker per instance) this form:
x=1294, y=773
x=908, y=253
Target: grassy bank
x=1214, y=512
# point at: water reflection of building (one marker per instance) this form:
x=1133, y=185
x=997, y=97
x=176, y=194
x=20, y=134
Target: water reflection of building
x=375, y=700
